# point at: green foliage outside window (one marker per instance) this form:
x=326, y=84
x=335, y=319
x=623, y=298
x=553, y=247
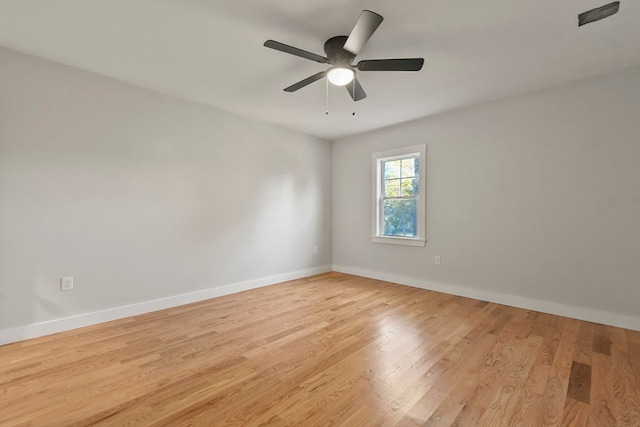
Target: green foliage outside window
x=400, y=196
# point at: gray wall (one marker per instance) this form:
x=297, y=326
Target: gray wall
x=532, y=201
x=141, y=196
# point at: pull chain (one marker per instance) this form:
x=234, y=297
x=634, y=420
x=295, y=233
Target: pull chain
x=326, y=112
x=353, y=87
x=354, y=96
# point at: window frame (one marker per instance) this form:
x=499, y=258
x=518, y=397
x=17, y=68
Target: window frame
x=377, y=159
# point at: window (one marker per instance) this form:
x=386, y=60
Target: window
x=399, y=196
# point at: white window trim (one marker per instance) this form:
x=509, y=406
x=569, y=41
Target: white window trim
x=376, y=159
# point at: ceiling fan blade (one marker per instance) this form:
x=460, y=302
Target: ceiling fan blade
x=405, y=64
x=366, y=25
x=359, y=92
x=294, y=51
x=307, y=81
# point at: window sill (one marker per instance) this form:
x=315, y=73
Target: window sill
x=406, y=241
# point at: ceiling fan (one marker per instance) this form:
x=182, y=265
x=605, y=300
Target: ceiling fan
x=341, y=50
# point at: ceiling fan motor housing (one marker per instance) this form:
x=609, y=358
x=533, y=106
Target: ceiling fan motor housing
x=336, y=54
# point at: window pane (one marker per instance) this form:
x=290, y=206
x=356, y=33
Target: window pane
x=392, y=169
x=409, y=167
x=399, y=217
x=392, y=188
x=409, y=187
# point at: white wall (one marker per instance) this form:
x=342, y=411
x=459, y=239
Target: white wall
x=141, y=196
x=532, y=201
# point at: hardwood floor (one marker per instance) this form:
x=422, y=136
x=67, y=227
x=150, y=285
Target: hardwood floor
x=334, y=350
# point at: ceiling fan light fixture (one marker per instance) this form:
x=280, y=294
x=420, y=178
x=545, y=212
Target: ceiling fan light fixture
x=340, y=76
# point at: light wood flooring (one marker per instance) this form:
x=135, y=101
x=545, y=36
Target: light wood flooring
x=329, y=350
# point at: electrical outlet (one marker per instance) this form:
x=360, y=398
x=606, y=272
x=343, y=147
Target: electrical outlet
x=436, y=260
x=66, y=284
x=315, y=249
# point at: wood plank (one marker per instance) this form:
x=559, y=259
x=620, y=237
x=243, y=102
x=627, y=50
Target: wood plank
x=575, y=414
x=332, y=349
x=602, y=340
x=579, y=382
x=625, y=390
x=602, y=401
x=511, y=397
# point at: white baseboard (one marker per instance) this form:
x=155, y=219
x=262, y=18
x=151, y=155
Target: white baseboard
x=35, y=330
x=575, y=312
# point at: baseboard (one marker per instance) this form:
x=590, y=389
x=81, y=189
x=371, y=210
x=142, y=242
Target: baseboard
x=35, y=330
x=575, y=312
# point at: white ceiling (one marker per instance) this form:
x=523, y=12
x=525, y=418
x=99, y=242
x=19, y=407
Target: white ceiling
x=210, y=51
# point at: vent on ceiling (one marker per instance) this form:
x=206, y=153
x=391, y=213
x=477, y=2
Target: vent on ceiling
x=598, y=13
